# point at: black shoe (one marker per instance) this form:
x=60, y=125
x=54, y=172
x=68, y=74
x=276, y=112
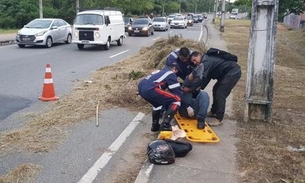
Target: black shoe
x=165, y=127
x=155, y=127
x=201, y=125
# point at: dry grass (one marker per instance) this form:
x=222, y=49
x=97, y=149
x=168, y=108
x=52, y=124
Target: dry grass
x=112, y=86
x=262, y=151
x=25, y=173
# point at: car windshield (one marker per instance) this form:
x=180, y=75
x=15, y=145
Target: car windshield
x=189, y=18
x=171, y=16
x=84, y=19
x=178, y=18
x=140, y=21
x=127, y=20
x=159, y=20
x=39, y=24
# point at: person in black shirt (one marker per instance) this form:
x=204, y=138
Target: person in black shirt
x=226, y=72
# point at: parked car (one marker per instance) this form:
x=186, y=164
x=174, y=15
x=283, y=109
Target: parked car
x=45, y=32
x=179, y=22
x=160, y=23
x=141, y=26
x=190, y=21
x=127, y=22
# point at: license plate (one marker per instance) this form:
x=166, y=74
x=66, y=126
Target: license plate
x=85, y=41
x=26, y=39
x=136, y=31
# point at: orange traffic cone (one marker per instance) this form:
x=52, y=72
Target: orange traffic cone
x=48, y=92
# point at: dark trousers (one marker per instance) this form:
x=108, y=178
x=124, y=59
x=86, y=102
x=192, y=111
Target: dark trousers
x=221, y=91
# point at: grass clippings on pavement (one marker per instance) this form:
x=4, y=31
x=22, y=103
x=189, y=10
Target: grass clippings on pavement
x=263, y=154
x=111, y=86
x=24, y=173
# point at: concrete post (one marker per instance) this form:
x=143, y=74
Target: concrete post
x=77, y=6
x=261, y=60
x=223, y=15
x=40, y=9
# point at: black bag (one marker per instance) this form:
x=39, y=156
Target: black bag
x=223, y=54
x=180, y=148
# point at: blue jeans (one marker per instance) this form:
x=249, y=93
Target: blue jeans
x=200, y=105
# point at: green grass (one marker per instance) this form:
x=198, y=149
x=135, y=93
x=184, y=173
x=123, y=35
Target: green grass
x=8, y=31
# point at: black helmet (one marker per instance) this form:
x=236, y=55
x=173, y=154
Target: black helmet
x=160, y=152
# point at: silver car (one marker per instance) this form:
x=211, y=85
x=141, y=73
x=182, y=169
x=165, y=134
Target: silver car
x=45, y=32
x=160, y=23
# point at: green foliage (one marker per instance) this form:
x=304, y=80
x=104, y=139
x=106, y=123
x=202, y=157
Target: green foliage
x=134, y=75
x=17, y=13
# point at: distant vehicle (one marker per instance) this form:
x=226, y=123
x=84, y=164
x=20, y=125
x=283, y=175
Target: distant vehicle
x=160, y=23
x=127, y=22
x=98, y=27
x=170, y=18
x=234, y=11
x=200, y=17
x=179, y=22
x=45, y=32
x=205, y=15
x=195, y=18
x=141, y=26
x=190, y=21
x=232, y=16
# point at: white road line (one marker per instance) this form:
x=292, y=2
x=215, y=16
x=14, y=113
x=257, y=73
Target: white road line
x=119, y=53
x=104, y=159
x=156, y=38
x=201, y=31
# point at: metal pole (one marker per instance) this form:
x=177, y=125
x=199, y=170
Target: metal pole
x=40, y=9
x=261, y=60
x=215, y=9
x=223, y=13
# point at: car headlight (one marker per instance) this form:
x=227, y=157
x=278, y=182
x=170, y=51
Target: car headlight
x=129, y=28
x=97, y=34
x=145, y=28
x=40, y=33
x=76, y=34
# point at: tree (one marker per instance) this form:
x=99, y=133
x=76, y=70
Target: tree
x=286, y=7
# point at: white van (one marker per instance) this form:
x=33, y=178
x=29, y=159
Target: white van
x=98, y=27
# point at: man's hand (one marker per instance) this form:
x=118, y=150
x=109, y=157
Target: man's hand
x=190, y=111
x=186, y=89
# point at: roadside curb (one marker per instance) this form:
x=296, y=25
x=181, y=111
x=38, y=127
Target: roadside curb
x=144, y=174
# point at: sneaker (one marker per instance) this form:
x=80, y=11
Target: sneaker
x=215, y=122
x=165, y=127
x=210, y=114
x=155, y=127
x=201, y=125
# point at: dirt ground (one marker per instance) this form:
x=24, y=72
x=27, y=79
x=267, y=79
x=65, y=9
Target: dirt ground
x=264, y=153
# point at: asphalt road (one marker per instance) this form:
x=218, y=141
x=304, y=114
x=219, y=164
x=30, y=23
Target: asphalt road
x=21, y=79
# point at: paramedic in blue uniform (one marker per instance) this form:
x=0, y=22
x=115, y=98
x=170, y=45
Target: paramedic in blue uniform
x=163, y=91
x=181, y=56
x=226, y=72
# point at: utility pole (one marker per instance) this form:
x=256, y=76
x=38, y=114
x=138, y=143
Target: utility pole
x=40, y=9
x=215, y=10
x=77, y=6
x=261, y=60
x=223, y=13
